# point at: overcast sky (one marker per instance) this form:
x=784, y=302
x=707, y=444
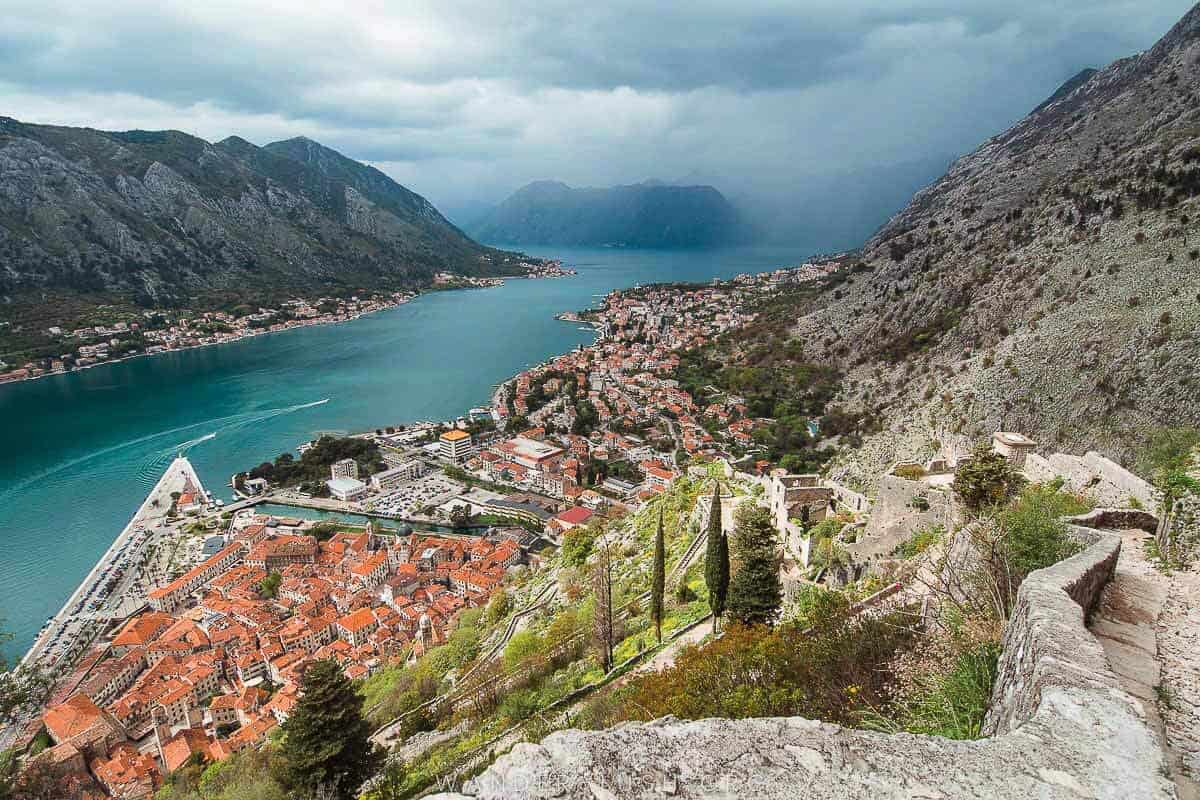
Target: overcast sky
x=464, y=102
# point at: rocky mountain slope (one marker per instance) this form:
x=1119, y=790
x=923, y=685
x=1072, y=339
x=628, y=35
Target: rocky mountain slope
x=164, y=215
x=1049, y=282
x=651, y=214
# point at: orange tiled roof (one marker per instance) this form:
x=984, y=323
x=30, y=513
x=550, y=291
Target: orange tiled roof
x=126, y=766
x=179, y=748
x=357, y=620
x=142, y=629
x=71, y=718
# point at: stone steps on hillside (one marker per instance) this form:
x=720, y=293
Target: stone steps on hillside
x=1155, y=652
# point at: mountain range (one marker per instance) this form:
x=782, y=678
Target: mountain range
x=1049, y=282
x=649, y=214
x=165, y=215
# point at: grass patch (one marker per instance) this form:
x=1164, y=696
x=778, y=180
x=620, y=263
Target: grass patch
x=951, y=704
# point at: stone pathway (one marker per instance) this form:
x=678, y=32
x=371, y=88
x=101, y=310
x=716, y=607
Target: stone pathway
x=1150, y=631
x=1179, y=700
x=666, y=657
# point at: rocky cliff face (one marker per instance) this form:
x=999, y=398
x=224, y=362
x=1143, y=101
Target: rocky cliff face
x=1049, y=282
x=164, y=214
x=643, y=215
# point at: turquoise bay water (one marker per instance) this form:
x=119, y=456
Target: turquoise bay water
x=78, y=452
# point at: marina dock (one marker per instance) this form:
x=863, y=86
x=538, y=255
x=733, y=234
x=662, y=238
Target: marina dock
x=92, y=605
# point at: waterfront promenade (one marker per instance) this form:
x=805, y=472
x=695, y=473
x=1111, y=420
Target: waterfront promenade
x=111, y=590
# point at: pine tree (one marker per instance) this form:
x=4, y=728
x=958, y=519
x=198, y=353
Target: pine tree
x=326, y=748
x=716, y=559
x=755, y=593
x=658, y=585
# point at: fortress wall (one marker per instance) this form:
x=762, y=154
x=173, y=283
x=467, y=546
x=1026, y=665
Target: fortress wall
x=1062, y=725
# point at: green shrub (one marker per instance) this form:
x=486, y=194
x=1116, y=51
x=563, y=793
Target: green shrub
x=40, y=742
x=577, y=546
x=812, y=605
x=759, y=672
x=498, y=607
x=986, y=480
x=1168, y=449
x=683, y=592
x=1034, y=535
x=520, y=705
x=919, y=542
x=910, y=472
x=826, y=528
x=951, y=704
x=828, y=553
x=521, y=646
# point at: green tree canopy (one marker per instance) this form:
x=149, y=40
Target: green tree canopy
x=658, y=581
x=268, y=587
x=326, y=746
x=755, y=593
x=716, y=557
x=986, y=480
x=577, y=546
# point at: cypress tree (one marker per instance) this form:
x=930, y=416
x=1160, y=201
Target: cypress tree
x=326, y=748
x=716, y=558
x=658, y=584
x=723, y=563
x=755, y=593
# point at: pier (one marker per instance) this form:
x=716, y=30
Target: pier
x=92, y=606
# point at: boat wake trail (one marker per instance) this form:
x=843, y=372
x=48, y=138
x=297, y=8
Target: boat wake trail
x=156, y=461
x=150, y=469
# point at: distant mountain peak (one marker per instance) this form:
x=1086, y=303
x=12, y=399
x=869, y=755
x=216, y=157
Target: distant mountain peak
x=648, y=214
x=545, y=184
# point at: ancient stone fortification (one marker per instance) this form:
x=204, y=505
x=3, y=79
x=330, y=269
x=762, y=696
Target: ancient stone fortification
x=901, y=508
x=1106, y=481
x=1063, y=728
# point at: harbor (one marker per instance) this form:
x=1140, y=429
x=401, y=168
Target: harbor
x=116, y=586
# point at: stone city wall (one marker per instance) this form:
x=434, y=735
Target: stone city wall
x=1092, y=474
x=1064, y=728
x=896, y=516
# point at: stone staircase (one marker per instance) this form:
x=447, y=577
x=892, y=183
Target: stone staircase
x=1150, y=631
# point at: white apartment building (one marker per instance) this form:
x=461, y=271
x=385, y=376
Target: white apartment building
x=456, y=446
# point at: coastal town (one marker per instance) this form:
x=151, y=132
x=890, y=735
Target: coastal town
x=153, y=332
x=712, y=417
x=209, y=663
x=166, y=654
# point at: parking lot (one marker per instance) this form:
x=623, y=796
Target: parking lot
x=408, y=500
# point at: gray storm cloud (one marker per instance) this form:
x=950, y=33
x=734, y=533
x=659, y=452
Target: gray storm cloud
x=778, y=103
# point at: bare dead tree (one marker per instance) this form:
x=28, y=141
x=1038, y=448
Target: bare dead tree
x=974, y=576
x=603, y=624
